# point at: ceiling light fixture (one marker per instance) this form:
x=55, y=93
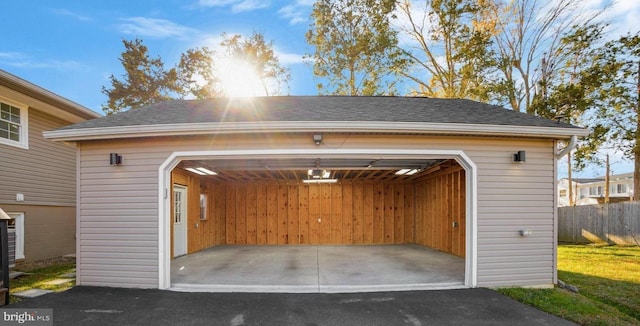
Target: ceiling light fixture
x=407, y=171
x=201, y=171
x=402, y=171
x=320, y=180
x=318, y=174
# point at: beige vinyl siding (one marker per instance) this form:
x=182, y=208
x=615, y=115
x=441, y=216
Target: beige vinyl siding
x=118, y=242
x=44, y=173
x=49, y=231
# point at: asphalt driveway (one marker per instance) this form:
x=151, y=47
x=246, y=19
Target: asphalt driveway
x=113, y=306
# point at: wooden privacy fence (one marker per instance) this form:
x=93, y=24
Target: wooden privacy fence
x=617, y=223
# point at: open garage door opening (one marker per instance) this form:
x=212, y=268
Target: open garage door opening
x=318, y=224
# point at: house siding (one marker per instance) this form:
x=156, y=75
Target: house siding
x=44, y=173
x=118, y=213
x=49, y=231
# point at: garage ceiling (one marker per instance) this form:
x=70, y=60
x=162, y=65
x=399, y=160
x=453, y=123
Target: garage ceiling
x=297, y=169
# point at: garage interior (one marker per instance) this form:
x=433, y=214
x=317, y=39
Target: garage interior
x=301, y=225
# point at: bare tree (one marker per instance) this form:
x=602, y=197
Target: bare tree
x=528, y=43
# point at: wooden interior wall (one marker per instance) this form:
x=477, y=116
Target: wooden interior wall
x=348, y=213
x=204, y=233
x=423, y=212
x=440, y=211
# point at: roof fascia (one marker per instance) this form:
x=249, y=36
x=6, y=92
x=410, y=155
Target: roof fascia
x=309, y=126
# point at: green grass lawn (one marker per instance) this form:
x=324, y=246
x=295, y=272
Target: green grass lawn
x=37, y=278
x=608, y=278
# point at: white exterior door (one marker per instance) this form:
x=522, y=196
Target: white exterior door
x=179, y=221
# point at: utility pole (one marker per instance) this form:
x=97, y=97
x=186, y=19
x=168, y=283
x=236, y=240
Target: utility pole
x=606, y=181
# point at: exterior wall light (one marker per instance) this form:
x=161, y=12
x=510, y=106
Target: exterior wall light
x=525, y=233
x=115, y=159
x=520, y=157
x=317, y=138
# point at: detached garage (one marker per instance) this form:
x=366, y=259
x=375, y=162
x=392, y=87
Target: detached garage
x=440, y=192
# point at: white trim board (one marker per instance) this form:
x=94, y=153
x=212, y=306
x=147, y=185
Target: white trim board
x=207, y=128
x=164, y=193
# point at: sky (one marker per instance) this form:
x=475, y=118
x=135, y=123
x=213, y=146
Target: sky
x=71, y=47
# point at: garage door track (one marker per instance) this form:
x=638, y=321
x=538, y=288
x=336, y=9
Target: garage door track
x=113, y=306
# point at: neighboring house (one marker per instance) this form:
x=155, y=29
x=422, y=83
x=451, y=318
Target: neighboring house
x=470, y=179
x=38, y=176
x=591, y=191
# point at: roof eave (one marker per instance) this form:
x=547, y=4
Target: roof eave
x=309, y=126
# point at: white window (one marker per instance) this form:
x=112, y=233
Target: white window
x=621, y=188
x=13, y=124
x=563, y=193
x=203, y=206
x=18, y=224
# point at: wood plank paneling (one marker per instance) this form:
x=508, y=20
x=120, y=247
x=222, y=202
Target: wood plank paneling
x=261, y=213
x=429, y=212
x=252, y=214
x=241, y=214
x=398, y=212
x=347, y=213
x=303, y=203
x=293, y=215
x=272, y=214
x=315, y=215
x=440, y=219
x=325, y=211
x=389, y=213
x=409, y=213
x=230, y=215
x=378, y=213
x=368, y=212
x=336, y=214
x=358, y=213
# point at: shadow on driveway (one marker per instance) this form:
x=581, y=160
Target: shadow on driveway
x=114, y=306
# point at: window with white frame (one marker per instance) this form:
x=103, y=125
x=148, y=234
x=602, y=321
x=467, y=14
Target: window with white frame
x=595, y=191
x=563, y=193
x=621, y=188
x=13, y=124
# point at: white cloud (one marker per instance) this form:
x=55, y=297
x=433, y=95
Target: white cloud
x=22, y=60
x=236, y=5
x=297, y=12
x=624, y=17
x=10, y=55
x=289, y=58
x=154, y=27
x=68, y=13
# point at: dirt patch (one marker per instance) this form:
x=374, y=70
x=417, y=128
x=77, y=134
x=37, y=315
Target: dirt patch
x=29, y=266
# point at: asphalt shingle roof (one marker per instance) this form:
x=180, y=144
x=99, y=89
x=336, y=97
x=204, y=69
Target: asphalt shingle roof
x=321, y=108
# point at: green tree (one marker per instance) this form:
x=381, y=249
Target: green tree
x=196, y=76
x=258, y=54
x=619, y=108
x=450, y=55
x=571, y=93
x=356, y=49
x=145, y=81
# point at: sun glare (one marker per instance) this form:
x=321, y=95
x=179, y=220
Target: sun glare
x=239, y=79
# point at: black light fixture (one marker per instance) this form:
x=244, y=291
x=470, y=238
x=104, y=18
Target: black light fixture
x=317, y=139
x=115, y=159
x=520, y=157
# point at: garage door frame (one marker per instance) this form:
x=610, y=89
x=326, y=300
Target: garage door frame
x=164, y=180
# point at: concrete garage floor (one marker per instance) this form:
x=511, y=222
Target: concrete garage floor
x=309, y=269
